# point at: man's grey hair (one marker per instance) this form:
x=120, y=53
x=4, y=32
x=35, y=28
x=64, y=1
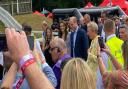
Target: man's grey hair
x=58, y=42
x=88, y=16
x=124, y=26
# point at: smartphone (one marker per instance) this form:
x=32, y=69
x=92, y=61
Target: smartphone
x=3, y=42
x=101, y=42
x=31, y=42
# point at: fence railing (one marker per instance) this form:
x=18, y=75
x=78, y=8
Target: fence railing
x=17, y=7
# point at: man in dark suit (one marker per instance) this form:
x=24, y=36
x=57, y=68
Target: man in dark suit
x=79, y=40
x=86, y=20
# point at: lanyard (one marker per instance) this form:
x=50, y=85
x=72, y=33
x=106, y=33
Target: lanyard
x=19, y=83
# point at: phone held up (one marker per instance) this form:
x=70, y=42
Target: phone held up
x=3, y=42
x=101, y=42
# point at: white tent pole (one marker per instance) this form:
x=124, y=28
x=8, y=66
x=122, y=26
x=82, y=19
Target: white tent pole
x=110, y=2
x=17, y=7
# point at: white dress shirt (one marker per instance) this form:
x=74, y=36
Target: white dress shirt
x=1, y=58
x=74, y=40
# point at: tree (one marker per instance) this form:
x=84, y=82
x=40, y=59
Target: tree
x=51, y=4
x=36, y=5
x=96, y=2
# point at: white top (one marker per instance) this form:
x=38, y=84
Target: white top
x=103, y=33
x=74, y=40
x=110, y=36
x=1, y=59
x=75, y=34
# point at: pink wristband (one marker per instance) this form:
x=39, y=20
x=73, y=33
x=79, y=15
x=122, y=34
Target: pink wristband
x=26, y=64
x=24, y=59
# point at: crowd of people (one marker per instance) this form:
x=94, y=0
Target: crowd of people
x=71, y=59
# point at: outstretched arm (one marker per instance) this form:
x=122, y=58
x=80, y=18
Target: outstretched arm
x=113, y=59
x=10, y=77
x=19, y=48
x=37, y=79
x=101, y=65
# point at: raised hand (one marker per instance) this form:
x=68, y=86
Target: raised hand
x=17, y=44
x=106, y=50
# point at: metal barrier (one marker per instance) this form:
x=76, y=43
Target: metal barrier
x=17, y=7
x=8, y=20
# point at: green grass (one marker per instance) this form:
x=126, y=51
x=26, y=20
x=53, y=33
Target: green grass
x=33, y=20
x=2, y=26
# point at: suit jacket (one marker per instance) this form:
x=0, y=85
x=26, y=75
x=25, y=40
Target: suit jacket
x=81, y=44
x=84, y=27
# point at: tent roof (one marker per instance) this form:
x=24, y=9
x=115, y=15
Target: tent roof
x=104, y=3
x=89, y=5
x=114, y=2
x=38, y=13
x=122, y=3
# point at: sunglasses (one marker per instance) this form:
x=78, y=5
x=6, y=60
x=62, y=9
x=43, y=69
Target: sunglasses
x=51, y=49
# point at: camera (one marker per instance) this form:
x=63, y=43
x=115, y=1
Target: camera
x=101, y=42
x=3, y=42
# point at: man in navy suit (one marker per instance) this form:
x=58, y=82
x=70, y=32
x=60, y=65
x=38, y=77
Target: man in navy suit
x=79, y=40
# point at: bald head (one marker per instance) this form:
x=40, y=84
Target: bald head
x=58, y=42
x=57, y=48
x=87, y=16
x=87, y=19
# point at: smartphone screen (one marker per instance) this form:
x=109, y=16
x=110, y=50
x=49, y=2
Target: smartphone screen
x=3, y=44
x=101, y=42
x=31, y=41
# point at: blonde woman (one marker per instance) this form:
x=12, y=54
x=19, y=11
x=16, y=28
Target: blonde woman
x=77, y=75
x=92, y=32
x=92, y=52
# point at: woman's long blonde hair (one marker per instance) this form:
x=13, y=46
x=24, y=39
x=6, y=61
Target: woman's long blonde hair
x=77, y=75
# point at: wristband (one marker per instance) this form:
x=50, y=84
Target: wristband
x=19, y=83
x=26, y=64
x=24, y=59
